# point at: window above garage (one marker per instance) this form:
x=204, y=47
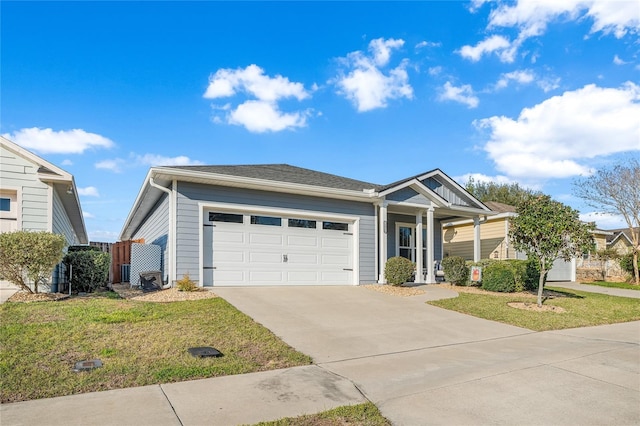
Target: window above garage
x=225, y=217
x=266, y=220
x=302, y=223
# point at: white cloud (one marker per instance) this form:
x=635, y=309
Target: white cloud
x=365, y=83
x=531, y=18
x=87, y=215
x=618, y=61
x=114, y=165
x=520, y=77
x=66, y=162
x=425, y=43
x=160, y=160
x=252, y=80
x=260, y=116
x=480, y=177
x=463, y=94
x=491, y=44
x=89, y=191
x=548, y=84
x=267, y=91
x=434, y=71
x=48, y=141
x=604, y=220
x=548, y=140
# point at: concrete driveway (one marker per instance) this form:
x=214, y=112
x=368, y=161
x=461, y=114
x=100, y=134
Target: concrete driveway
x=423, y=365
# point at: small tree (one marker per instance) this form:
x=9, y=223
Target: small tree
x=547, y=230
x=616, y=190
x=506, y=193
x=29, y=257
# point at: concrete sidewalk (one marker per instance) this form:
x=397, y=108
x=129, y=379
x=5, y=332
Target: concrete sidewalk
x=621, y=292
x=7, y=290
x=229, y=400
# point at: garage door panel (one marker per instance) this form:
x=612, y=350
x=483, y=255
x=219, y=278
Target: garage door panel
x=232, y=277
x=265, y=257
x=265, y=276
x=310, y=259
x=265, y=239
x=224, y=236
x=340, y=260
x=227, y=256
x=302, y=241
x=336, y=242
x=302, y=277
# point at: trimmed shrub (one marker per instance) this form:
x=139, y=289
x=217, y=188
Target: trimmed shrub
x=28, y=258
x=455, y=270
x=186, y=283
x=499, y=276
x=626, y=263
x=398, y=270
x=90, y=269
x=525, y=274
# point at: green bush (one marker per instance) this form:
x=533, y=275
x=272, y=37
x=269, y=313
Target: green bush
x=455, y=270
x=28, y=258
x=626, y=263
x=186, y=284
x=398, y=270
x=525, y=273
x=499, y=276
x=89, y=269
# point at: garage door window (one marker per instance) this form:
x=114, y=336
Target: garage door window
x=336, y=226
x=302, y=223
x=266, y=220
x=225, y=217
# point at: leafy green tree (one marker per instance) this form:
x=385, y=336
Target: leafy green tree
x=616, y=190
x=506, y=193
x=29, y=257
x=547, y=230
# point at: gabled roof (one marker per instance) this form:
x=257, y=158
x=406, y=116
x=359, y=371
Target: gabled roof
x=284, y=173
x=61, y=181
x=621, y=233
x=500, y=207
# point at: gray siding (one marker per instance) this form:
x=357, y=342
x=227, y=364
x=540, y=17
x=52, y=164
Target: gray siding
x=61, y=223
x=408, y=195
x=18, y=173
x=155, y=230
x=449, y=194
x=188, y=226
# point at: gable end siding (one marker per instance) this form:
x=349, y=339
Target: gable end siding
x=445, y=192
x=155, y=230
x=188, y=226
x=408, y=195
x=22, y=175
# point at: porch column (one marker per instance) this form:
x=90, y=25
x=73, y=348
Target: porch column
x=419, y=265
x=476, y=239
x=382, y=237
x=431, y=247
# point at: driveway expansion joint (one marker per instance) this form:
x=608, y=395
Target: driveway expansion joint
x=171, y=405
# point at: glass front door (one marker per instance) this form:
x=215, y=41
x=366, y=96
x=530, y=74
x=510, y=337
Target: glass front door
x=407, y=243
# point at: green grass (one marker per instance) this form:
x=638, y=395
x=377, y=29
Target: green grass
x=625, y=286
x=139, y=343
x=355, y=415
x=581, y=309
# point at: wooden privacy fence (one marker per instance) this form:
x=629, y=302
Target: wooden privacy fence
x=121, y=255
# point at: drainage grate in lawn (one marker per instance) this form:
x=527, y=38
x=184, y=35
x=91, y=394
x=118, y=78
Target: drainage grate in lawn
x=205, y=352
x=87, y=365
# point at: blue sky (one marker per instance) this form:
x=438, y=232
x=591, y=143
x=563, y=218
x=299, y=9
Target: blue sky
x=537, y=93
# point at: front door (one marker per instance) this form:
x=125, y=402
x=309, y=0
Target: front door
x=406, y=242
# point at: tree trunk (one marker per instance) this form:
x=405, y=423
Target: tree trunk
x=543, y=274
x=635, y=267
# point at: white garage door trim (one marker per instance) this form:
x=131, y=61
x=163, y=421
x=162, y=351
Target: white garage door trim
x=244, y=209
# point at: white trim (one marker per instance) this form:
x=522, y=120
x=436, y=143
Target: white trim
x=431, y=247
x=477, y=240
x=419, y=266
x=286, y=212
x=29, y=156
x=468, y=221
x=50, y=207
x=384, y=242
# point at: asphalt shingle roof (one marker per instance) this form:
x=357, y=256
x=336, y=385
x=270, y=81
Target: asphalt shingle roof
x=284, y=173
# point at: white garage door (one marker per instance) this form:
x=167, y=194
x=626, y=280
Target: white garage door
x=255, y=249
x=562, y=271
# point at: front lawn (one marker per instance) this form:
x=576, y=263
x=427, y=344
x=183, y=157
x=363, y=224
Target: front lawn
x=139, y=343
x=625, y=286
x=356, y=415
x=581, y=309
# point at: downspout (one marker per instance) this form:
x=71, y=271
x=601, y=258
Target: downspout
x=170, y=253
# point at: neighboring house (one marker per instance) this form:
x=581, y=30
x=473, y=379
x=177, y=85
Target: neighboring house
x=35, y=195
x=494, y=232
x=458, y=236
x=283, y=225
x=620, y=240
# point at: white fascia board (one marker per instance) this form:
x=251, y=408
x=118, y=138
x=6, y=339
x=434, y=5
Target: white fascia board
x=269, y=185
x=468, y=221
x=470, y=211
x=440, y=173
x=134, y=209
x=33, y=158
x=420, y=188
